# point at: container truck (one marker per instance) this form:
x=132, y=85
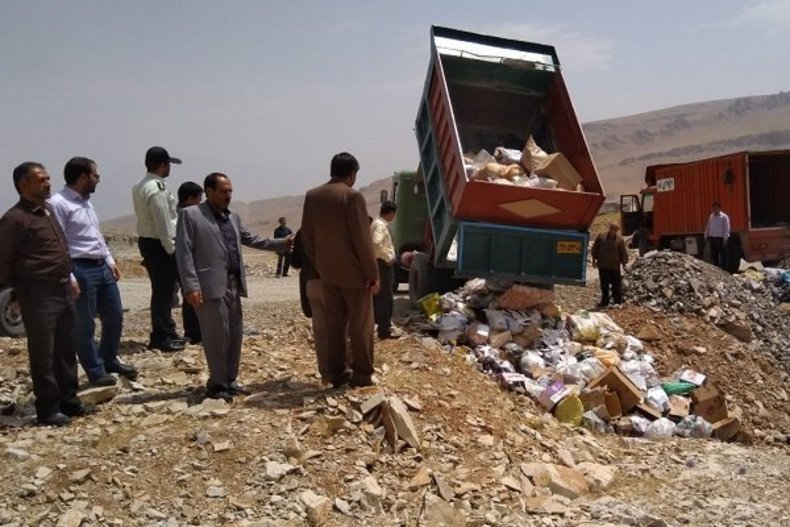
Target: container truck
x=484, y=92
x=672, y=211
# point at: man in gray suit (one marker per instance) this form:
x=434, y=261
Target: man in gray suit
x=211, y=268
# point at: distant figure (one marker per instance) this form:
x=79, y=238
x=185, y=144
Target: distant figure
x=211, y=265
x=717, y=233
x=34, y=259
x=283, y=256
x=190, y=194
x=609, y=255
x=336, y=236
x=96, y=272
x=155, y=208
x=385, y=259
x=311, y=297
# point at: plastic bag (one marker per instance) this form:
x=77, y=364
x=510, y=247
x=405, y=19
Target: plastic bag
x=678, y=388
x=657, y=398
x=660, y=429
x=497, y=319
x=478, y=333
x=507, y=156
x=430, y=305
x=534, y=388
x=694, y=426
x=530, y=360
x=533, y=157
x=451, y=322
x=539, y=182
x=639, y=424
x=588, y=326
x=607, y=357
x=593, y=423
x=582, y=372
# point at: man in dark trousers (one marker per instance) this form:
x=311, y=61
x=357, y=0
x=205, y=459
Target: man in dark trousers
x=34, y=259
x=283, y=255
x=189, y=194
x=155, y=208
x=211, y=266
x=717, y=232
x=385, y=259
x=336, y=236
x=609, y=255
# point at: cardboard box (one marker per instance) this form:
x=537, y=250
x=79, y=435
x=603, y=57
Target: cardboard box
x=591, y=399
x=648, y=411
x=708, y=402
x=558, y=168
x=555, y=393
x=679, y=406
x=612, y=403
x=726, y=429
x=615, y=380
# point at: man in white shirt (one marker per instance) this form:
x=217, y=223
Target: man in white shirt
x=717, y=233
x=96, y=273
x=385, y=259
x=155, y=208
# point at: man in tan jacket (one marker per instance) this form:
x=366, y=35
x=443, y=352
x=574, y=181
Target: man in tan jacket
x=336, y=238
x=608, y=255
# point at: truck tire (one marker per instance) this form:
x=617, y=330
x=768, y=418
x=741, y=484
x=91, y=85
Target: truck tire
x=10, y=315
x=425, y=279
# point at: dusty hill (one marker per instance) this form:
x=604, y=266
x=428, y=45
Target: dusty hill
x=621, y=148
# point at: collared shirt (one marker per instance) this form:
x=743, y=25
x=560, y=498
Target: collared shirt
x=230, y=239
x=78, y=219
x=382, y=241
x=32, y=245
x=155, y=208
x=718, y=226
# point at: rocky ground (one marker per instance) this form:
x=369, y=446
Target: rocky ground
x=469, y=453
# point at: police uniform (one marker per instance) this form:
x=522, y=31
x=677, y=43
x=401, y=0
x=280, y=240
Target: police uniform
x=156, y=211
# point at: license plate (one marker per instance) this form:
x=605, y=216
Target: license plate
x=569, y=247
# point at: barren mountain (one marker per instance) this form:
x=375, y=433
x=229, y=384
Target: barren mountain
x=621, y=149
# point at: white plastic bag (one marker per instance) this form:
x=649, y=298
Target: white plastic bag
x=694, y=426
x=531, y=359
x=660, y=429
x=658, y=399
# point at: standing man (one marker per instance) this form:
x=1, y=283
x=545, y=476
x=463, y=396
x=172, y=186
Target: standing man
x=208, y=250
x=283, y=256
x=155, y=208
x=96, y=273
x=385, y=259
x=189, y=194
x=717, y=233
x=609, y=255
x=34, y=259
x=336, y=236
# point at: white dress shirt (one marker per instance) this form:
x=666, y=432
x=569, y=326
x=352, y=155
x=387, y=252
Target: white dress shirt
x=78, y=219
x=718, y=226
x=382, y=241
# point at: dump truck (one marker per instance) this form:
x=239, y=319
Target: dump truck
x=672, y=210
x=482, y=92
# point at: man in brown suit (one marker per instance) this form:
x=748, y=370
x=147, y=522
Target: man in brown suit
x=336, y=238
x=608, y=255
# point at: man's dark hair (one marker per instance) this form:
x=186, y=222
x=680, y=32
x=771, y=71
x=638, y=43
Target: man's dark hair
x=75, y=167
x=187, y=190
x=211, y=180
x=387, y=207
x=716, y=204
x=343, y=165
x=24, y=170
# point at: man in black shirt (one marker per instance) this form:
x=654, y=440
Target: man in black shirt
x=34, y=259
x=283, y=255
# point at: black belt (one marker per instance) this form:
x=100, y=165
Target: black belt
x=88, y=261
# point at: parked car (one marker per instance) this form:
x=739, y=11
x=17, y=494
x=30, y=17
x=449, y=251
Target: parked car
x=10, y=315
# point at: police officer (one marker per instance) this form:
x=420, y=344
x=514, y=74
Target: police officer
x=155, y=208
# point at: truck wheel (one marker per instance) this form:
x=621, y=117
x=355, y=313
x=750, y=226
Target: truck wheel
x=734, y=252
x=10, y=315
x=418, y=277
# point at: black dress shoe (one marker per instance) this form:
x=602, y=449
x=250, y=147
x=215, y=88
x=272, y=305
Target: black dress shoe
x=104, y=380
x=238, y=389
x=56, y=419
x=125, y=370
x=219, y=392
x=357, y=382
x=168, y=346
x=340, y=380
x=77, y=409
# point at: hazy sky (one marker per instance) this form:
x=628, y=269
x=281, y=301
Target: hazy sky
x=268, y=91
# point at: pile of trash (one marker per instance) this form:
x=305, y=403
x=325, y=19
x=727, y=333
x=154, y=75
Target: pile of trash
x=531, y=167
x=777, y=281
x=582, y=367
x=742, y=305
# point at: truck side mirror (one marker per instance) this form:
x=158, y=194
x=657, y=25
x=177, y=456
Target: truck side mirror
x=383, y=196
